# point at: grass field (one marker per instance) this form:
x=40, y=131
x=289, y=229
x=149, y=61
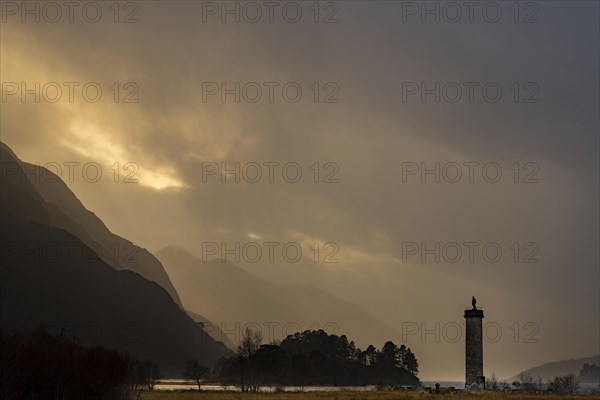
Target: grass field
x=190, y=395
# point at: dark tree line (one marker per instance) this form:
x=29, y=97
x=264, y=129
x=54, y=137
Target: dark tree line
x=316, y=358
x=564, y=384
x=41, y=366
x=561, y=384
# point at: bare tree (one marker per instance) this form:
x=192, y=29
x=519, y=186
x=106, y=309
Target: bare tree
x=527, y=382
x=153, y=374
x=565, y=384
x=195, y=371
x=143, y=376
x=249, y=345
x=492, y=383
x=539, y=381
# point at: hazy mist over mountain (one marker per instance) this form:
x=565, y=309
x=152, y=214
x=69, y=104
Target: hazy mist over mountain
x=229, y=296
x=336, y=216
x=561, y=367
x=54, y=276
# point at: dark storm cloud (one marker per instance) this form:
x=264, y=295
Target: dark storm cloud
x=369, y=54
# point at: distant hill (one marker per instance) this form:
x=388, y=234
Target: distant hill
x=50, y=277
x=213, y=330
x=228, y=295
x=555, y=368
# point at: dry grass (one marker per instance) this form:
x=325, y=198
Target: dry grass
x=191, y=395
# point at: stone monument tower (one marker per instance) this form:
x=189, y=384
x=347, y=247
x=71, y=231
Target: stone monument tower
x=474, y=379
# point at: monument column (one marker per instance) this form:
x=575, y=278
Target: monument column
x=474, y=349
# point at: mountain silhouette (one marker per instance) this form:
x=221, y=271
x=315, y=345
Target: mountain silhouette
x=228, y=295
x=64, y=210
x=555, y=368
x=49, y=276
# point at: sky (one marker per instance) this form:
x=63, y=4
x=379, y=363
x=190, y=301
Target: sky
x=400, y=153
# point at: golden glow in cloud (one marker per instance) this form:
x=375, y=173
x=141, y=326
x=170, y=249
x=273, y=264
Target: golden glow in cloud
x=344, y=254
x=89, y=141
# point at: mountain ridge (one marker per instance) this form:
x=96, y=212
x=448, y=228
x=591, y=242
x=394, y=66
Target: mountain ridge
x=559, y=367
x=204, y=287
x=50, y=277
x=70, y=213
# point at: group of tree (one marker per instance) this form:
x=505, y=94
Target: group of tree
x=564, y=384
x=495, y=385
x=37, y=365
x=527, y=383
x=315, y=358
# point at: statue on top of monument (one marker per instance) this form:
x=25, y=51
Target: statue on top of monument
x=474, y=302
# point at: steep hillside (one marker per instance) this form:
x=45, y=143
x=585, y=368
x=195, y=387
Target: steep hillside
x=67, y=212
x=49, y=277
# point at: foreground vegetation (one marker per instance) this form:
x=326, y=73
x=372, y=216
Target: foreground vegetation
x=39, y=366
x=396, y=395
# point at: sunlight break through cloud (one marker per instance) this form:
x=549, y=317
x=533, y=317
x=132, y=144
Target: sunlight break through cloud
x=91, y=142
